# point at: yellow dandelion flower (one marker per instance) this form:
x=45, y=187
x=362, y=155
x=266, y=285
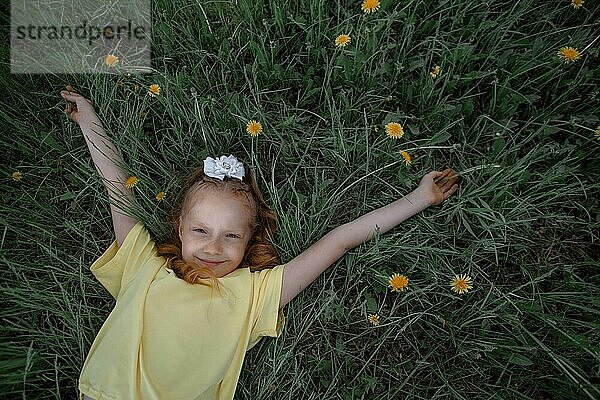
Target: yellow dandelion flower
x=17, y=175
x=342, y=40
x=577, y=3
x=154, y=90
x=461, y=284
x=407, y=158
x=569, y=54
x=131, y=182
x=370, y=6
x=111, y=60
x=435, y=71
x=253, y=127
x=394, y=130
x=597, y=132
x=160, y=196
x=374, y=319
x=398, y=282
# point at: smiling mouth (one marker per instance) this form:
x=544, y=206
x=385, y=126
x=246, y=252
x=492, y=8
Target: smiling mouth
x=210, y=263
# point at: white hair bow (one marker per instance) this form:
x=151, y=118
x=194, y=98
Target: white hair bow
x=224, y=166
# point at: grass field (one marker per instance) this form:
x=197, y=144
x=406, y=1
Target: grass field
x=520, y=124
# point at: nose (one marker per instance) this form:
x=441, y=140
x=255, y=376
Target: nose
x=213, y=246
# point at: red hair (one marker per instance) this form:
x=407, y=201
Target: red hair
x=260, y=252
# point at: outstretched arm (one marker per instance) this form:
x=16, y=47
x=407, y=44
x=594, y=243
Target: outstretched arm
x=105, y=157
x=300, y=272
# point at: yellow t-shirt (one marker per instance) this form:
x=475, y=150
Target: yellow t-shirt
x=168, y=339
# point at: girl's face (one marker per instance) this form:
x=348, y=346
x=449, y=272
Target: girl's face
x=216, y=228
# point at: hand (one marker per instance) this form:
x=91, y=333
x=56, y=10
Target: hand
x=79, y=109
x=438, y=185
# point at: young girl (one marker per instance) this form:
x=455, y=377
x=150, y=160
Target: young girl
x=188, y=310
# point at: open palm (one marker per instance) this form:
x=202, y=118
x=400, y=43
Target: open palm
x=439, y=185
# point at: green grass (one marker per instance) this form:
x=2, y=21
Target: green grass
x=505, y=113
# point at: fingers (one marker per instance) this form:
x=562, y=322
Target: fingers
x=451, y=191
x=442, y=174
x=435, y=174
x=448, y=182
x=76, y=103
x=449, y=176
x=71, y=108
x=70, y=96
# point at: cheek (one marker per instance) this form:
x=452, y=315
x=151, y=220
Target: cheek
x=241, y=251
x=187, y=247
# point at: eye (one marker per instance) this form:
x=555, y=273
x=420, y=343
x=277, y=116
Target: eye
x=234, y=235
x=198, y=230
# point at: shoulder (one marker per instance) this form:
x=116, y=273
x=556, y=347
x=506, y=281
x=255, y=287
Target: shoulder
x=268, y=272
x=246, y=280
x=267, y=280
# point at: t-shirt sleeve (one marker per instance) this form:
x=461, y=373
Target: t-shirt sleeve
x=118, y=265
x=267, y=318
